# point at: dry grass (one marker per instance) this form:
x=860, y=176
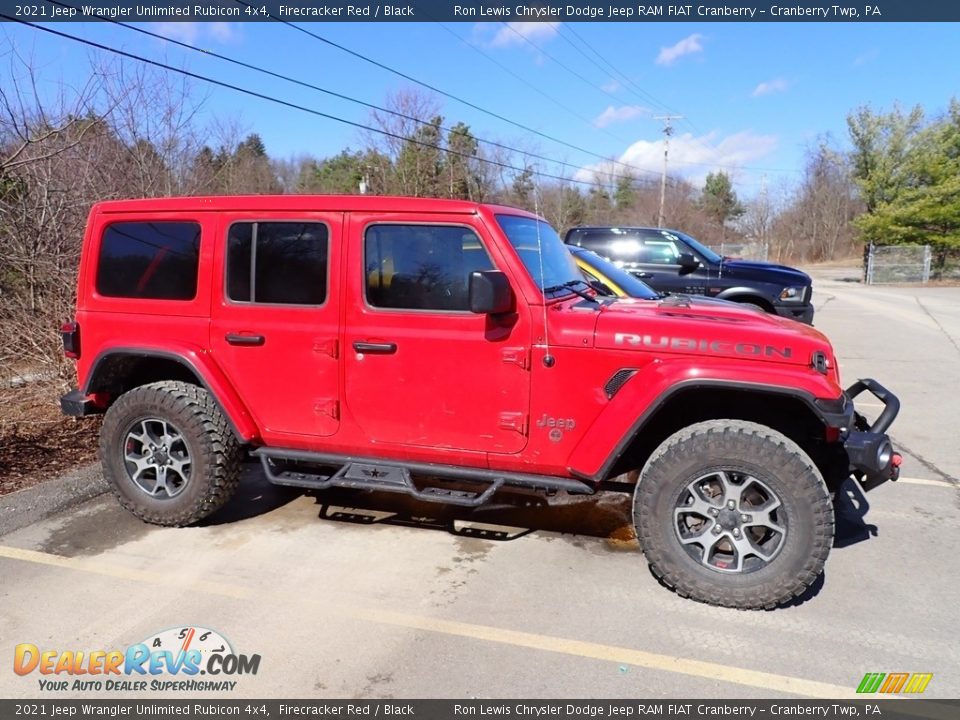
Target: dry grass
x=37, y=441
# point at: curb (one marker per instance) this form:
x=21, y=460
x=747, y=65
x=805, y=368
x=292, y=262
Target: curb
x=32, y=504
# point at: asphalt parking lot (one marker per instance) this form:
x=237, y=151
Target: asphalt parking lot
x=352, y=595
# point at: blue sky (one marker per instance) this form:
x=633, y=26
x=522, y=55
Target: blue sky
x=754, y=95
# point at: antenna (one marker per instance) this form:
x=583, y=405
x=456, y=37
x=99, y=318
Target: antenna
x=548, y=359
x=667, y=132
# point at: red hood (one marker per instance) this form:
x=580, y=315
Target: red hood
x=695, y=326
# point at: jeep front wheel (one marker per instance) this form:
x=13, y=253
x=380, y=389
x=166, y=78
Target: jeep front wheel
x=733, y=513
x=168, y=453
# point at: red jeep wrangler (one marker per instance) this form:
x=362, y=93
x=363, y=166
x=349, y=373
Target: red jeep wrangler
x=354, y=341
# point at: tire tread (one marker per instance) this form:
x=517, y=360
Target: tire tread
x=205, y=421
x=774, y=449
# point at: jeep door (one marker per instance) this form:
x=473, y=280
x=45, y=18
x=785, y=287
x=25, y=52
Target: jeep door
x=420, y=369
x=275, y=319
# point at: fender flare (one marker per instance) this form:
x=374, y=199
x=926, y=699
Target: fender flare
x=744, y=291
x=208, y=374
x=586, y=463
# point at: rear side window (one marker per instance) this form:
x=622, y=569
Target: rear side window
x=277, y=263
x=422, y=267
x=149, y=260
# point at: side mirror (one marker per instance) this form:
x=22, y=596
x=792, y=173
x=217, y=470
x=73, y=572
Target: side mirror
x=490, y=293
x=688, y=263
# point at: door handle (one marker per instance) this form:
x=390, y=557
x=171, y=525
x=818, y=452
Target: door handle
x=247, y=340
x=375, y=348
x=643, y=275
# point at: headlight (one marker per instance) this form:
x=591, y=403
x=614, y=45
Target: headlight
x=792, y=294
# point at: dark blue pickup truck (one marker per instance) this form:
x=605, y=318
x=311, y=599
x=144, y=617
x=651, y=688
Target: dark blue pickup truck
x=670, y=261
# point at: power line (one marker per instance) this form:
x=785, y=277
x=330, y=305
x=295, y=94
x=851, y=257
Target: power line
x=341, y=96
x=295, y=106
x=630, y=84
x=529, y=84
x=446, y=94
x=649, y=98
x=539, y=49
x=470, y=104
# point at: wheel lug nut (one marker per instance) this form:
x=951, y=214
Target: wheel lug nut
x=736, y=532
x=745, y=518
x=731, y=504
x=717, y=529
x=714, y=511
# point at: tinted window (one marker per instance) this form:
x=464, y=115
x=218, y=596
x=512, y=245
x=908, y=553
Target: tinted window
x=658, y=252
x=628, y=244
x=277, y=262
x=421, y=267
x=153, y=260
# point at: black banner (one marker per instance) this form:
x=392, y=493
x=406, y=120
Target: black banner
x=874, y=707
x=480, y=11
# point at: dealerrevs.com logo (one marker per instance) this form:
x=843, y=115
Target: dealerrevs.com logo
x=185, y=659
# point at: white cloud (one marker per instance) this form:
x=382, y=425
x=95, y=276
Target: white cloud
x=770, y=86
x=224, y=32
x=867, y=57
x=187, y=32
x=192, y=32
x=611, y=86
x=690, y=44
x=514, y=33
x=690, y=157
x=619, y=114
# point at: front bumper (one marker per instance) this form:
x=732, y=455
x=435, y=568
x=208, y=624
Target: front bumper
x=800, y=313
x=873, y=460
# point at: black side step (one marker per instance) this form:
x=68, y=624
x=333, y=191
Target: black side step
x=362, y=476
x=394, y=476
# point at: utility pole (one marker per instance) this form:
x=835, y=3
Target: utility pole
x=667, y=132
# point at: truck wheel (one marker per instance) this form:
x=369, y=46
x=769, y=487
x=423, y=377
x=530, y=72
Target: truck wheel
x=733, y=513
x=168, y=453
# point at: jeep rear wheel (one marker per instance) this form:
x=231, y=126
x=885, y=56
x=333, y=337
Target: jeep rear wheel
x=168, y=453
x=733, y=513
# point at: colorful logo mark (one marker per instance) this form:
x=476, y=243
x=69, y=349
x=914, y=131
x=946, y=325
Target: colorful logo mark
x=893, y=683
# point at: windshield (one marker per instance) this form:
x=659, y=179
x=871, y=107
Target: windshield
x=698, y=247
x=541, y=250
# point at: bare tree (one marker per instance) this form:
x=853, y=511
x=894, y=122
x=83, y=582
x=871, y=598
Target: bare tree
x=122, y=134
x=817, y=223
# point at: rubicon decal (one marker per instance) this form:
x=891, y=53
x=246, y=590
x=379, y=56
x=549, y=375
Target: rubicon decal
x=683, y=344
x=154, y=664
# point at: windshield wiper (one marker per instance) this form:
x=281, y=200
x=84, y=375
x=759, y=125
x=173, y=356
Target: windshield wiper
x=570, y=286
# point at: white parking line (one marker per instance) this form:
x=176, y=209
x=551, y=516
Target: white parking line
x=923, y=481
x=701, y=669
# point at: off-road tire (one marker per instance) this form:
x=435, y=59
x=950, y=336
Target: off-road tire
x=214, y=451
x=740, y=447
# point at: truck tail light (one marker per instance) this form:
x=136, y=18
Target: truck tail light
x=70, y=332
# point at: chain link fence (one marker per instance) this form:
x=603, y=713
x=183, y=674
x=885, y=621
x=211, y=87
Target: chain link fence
x=743, y=251
x=896, y=264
